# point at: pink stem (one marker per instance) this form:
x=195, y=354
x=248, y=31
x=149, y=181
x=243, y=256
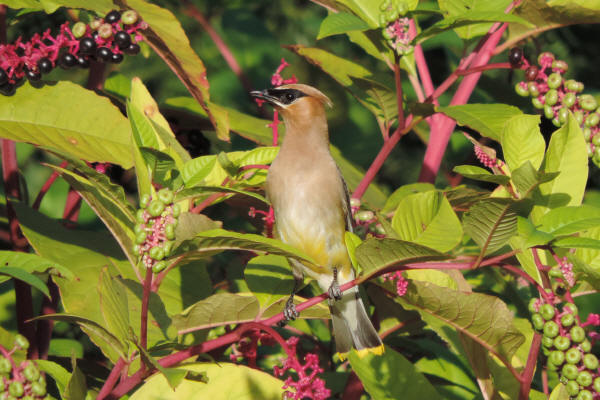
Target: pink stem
x=144, y=315
x=46, y=187
x=112, y=379
x=527, y=374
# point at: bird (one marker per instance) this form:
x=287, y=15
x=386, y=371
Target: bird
x=312, y=211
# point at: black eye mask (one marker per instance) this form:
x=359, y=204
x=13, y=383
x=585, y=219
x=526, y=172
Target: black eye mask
x=285, y=96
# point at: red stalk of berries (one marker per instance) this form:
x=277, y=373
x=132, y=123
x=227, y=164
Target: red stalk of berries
x=102, y=40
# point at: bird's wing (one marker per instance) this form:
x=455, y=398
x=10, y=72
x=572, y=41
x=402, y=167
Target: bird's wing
x=346, y=203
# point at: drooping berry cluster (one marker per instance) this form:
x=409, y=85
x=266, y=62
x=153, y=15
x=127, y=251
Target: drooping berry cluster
x=23, y=381
x=556, y=96
x=567, y=347
x=155, y=230
x=395, y=26
x=102, y=40
x=366, y=221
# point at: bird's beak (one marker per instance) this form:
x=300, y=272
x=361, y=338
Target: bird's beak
x=264, y=95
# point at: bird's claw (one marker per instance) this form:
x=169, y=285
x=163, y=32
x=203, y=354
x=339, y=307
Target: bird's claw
x=289, y=311
x=334, y=291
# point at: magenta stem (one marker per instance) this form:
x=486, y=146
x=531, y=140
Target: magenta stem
x=112, y=379
x=144, y=315
x=47, y=185
x=527, y=374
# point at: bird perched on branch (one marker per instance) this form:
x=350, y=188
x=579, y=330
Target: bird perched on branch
x=312, y=212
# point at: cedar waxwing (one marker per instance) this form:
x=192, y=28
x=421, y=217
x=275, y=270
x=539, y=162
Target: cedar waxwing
x=312, y=212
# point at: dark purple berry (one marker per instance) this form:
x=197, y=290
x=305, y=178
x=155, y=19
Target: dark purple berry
x=112, y=17
x=531, y=73
x=67, y=60
x=122, y=39
x=116, y=58
x=132, y=50
x=44, y=65
x=104, y=54
x=33, y=75
x=83, y=62
x=515, y=56
x=8, y=89
x=3, y=77
x=87, y=45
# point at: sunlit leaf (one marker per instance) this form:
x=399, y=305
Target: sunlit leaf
x=487, y=119
x=569, y=220
x=490, y=223
x=337, y=23
x=480, y=174
x=27, y=277
x=522, y=141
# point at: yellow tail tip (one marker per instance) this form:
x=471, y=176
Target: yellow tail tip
x=379, y=350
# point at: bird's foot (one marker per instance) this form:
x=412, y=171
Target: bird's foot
x=334, y=291
x=289, y=311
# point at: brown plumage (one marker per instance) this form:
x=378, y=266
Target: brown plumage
x=312, y=210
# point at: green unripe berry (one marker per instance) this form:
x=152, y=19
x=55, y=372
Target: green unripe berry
x=547, y=311
x=567, y=320
x=168, y=247
x=554, y=80
x=571, y=308
x=555, y=272
x=136, y=249
x=537, y=321
x=386, y=33
x=144, y=200
x=170, y=231
x=585, y=395
x=156, y=207
x=105, y=31
x=165, y=195
x=521, y=91
x=563, y=114
x=365, y=216
x=596, y=140
x=573, y=355
x=129, y=17
x=578, y=115
x=382, y=22
x=587, y=134
x=139, y=216
x=596, y=384
x=157, y=253
x=592, y=119
x=570, y=371
x=532, y=87
x=590, y=361
x=586, y=346
x=556, y=122
x=532, y=306
x=141, y=237
x=571, y=85
x=590, y=151
x=95, y=24
x=562, y=343
x=537, y=103
x=584, y=378
x=139, y=228
x=159, y=266
x=545, y=55
x=548, y=111
x=402, y=8
x=31, y=373
x=175, y=210
x=577, y=334
x=572, y=388
x=547, y=342
x=588, y=102
x=551, y=329
x=561, y=65
x=5, y=366
x=21, y=342
x=557, y=358
x=78, y=29
x=569, y=100
x=38, y=389
x=15, y=388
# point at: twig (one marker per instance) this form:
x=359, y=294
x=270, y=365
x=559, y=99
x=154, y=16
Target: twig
x=47, y=185
x=112, y=379
x=527, y=374
x=398, y=80
x=144, y=312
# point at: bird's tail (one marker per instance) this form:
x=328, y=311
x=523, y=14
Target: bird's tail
x=352, y=327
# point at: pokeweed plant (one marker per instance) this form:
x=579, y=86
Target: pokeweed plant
x=478, y=291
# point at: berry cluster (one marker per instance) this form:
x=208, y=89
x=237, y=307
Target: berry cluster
x=556, y=96
x=568, y=349
x=155, y=230
x=395, y=26
x=23, y=381
x=102, y=40
x=366, y=221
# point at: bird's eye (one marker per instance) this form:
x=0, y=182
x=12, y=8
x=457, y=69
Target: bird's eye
x=289, y=97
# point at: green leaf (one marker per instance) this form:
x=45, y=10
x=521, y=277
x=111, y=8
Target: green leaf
x=490, y=223
x=32, y=263
x=217, y=310
x=21, y=3
x=174, y=376
x=566, y=154
x=100, y=6
x=24, y=276
x=337, y=23
x=367, y=10
x=394, y=199
x=114, y=306
x=226, y=381
x=569, y=220
x=168, y=39
x=65, y=348
x=374, y=255
x=559, y=393
x=532, y=236
x=562, y=12
x=522, y=141
x=467, y=19
x=527, y=179
x=577, y=243
x=220, y=239
x=57, y=372
x=207, y=190
x=480, y=174
x=196, y=170
x=487, y=119
x=483, y=318
x=269, y=278
x=76, y=388
x=428, y=219
x=190, y=224
x=457, y=8
x=91, y=326
x=381, y=380
x=69, y=118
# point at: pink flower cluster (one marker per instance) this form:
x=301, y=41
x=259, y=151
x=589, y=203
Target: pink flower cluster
x=308, y=385
x=484, y=158
x=567, y=271
x=155, y=233
x=399, y=39
x=401, y=282
x=277, y=79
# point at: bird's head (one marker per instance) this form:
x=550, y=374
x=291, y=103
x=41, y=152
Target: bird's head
x=295, y=101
